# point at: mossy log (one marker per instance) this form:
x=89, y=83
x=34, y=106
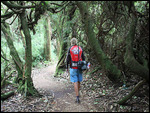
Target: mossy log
x=7, y=95
x=134, y=90
x=5, y=78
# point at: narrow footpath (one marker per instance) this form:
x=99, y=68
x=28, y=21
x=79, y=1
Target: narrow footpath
x=98, y=94
x=62, y=90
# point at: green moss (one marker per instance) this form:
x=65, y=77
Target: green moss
x=106, y=63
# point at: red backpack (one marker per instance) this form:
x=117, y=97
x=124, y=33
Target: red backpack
x=75, y=57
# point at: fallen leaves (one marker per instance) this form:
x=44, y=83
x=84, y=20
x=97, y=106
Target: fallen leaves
x=105, y=94
x=96, y=89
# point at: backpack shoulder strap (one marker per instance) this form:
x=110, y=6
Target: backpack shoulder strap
x=78, y=52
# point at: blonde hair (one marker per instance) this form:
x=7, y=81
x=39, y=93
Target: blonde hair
x=73, y=41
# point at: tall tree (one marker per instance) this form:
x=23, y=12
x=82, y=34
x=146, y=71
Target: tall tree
x=27, y=84
x=130, y=61
x=47, y=38
x=113, y=72
x=27, y=22
x=13, y=52
x=61, y=65
x=62, y=41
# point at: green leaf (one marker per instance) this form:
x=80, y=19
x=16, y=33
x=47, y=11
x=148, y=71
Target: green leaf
x=46, y=100
x=121, y=107
x=95, y=102
x=101, y=74
x=46, y=2
x=32, y=9
x=42, y=4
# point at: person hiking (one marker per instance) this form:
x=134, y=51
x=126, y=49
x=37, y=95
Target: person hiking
x=75, y=53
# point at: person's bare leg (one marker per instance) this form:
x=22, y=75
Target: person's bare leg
x=79, y=89
x=76, y=88
x=78, y=85
x=76, y=91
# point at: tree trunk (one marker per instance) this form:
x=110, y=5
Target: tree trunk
x=13, y=52
x=61, y=65
x=114, y=73
x=47, y=39
x=134, y=90
x=7, y=95
x=26, y=86
x=129, y=58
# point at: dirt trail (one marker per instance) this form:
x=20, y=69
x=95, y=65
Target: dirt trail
x=62, y=89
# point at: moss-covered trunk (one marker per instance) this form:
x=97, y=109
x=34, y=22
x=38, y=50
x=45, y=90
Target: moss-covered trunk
x=7, y=95
x=134, y=90
x=61, y=65
x=113, y=72
x=13, y=52
x=129, y=58
x=26, y=86
x=47, y=39
x=62, y=55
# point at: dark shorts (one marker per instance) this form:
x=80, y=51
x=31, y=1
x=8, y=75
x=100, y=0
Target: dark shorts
x=75, y=75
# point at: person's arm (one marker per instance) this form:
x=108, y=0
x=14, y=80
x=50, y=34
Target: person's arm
x=83, y=57
x=68, y=58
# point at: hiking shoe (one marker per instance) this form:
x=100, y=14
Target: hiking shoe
x=77, y=101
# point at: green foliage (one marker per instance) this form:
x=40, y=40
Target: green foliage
x=37, y=48
x=112, y=31
x=20, y=49
x=140, y=6
x=38, y=44
x=53, y=51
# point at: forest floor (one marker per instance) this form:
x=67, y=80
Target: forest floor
x=98, y=94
